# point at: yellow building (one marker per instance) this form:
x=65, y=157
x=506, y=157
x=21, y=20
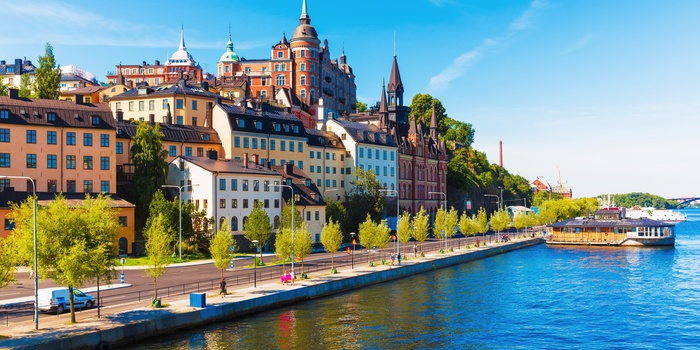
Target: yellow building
x=326, y=160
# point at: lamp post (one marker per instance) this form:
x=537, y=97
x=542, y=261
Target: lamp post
x=497, y=201
x=36, y=271
x=293, y=212
x=501, y=206
x=396, y=193
x=255, y=264
x=180, y=188
x=444, y=208
x=352, y=256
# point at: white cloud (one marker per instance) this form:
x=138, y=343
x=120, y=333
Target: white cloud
x=581, y=42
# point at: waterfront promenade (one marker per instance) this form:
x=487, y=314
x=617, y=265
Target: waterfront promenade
x=136, y=322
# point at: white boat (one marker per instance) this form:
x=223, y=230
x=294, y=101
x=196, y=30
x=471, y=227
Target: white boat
x=656, y=214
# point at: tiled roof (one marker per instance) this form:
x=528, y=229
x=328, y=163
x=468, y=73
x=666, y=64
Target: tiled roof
x=166, y=90
x=173, y=132
x=10, y=195
x=374, y=134
x=267, y=118
x=330, y=139
x=307, y=194
x=231, y=166
x=35, y=112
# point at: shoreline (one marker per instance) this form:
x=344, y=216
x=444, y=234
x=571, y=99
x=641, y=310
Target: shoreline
x=144, y=323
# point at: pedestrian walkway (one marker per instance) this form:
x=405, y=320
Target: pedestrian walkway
x=57, y=333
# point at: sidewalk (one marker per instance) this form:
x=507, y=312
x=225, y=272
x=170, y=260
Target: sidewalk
x=59, y=334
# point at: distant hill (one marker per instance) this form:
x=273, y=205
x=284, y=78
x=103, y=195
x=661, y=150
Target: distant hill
x=642, y=200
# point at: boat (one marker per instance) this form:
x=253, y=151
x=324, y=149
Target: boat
x=656, y=214
x=611, y=226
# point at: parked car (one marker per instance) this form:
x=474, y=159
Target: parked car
x=58, y=299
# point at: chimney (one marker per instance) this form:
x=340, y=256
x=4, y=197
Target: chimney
x=212, y=154
x=13, y=93
x=152, y=118
x=157, y=63
x=78, y=99
x=289, y=169
x=3, y=62
x=169, y=119
x=205, y=86
x=500, y=153
x=144, y=63
x=245, y=160
x=120, y=116
x=254, y=159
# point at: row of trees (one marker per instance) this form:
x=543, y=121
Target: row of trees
x=47, y=79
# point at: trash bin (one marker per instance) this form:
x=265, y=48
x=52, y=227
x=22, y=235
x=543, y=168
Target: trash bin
x=198, y=300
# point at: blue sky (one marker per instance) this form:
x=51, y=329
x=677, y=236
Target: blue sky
x=605, y=93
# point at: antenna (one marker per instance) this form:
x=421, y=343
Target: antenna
x=394, y=43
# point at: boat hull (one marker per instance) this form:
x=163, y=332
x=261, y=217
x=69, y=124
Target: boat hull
x=629, y=242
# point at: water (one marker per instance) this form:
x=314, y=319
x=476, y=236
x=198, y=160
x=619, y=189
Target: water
x=534, y=298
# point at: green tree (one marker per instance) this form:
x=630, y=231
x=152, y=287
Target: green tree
x=640, y=199
x=335, y=210
x=47, y=76
x=222, y=246
x=420, y=227
x=303, y=245
x=287, y=216
x=520, y=220
x=365, y=198
x=360, y=106
x=331, y=238
x=482, y=223
x=201, y=225
x=258, y=227
x=150, y=167
x=451, y=222
x=169, y=210
x=7, y=264
x=25, y=86
x=366, y=236
x=468, y=224
x=500, y=220
x=440, y=226
x=159, y=248
x=405, y=228
x=86, y=232
x=3, y=87
x=422, y=109
x=457, y=131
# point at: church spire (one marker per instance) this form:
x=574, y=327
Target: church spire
x=382, y=101
x=182, y=39
x=434, y=126
x=304, y=19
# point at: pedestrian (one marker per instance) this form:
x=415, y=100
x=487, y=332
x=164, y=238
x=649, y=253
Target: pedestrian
x=293, y=276
x=415, y=250
x=392, y=258
x=222, y=288
x=399, y=257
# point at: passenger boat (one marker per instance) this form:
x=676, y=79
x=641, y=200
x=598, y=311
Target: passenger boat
x=656, y=214
x=611, y=227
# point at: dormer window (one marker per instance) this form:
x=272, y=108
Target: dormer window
x=277, y=127
x=321, y=140
x=95, y=120
x=205, y=137
x=241, y=123
x=51, y=117
x=288, y=181
x=296, y=129
x=286, y=127
x=258, y=125
x=364, y=135
x=308, y=182
x=4, y=114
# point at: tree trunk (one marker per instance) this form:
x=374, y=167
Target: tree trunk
x=72, y=307
x=332, y=260
x=155, y=290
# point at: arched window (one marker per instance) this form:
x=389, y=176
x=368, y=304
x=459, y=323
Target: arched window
x=227, y=69
x=302, y=80
x=234, y=223
x=221, y=222
x=245, y=219
x=303, y=93
x=392, y=187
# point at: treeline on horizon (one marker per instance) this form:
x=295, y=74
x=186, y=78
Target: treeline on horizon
x=643, y=200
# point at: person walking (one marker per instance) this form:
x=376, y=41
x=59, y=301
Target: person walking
x=415, y=250
x=294, y=276
x=222, y=288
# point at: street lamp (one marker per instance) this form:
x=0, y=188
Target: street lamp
x=352, y=256
x=396, y=193
x=180, y=199
x=293, y=212
x=255, y=264
x=36, y=271
x=444, y=208
x=501, y=206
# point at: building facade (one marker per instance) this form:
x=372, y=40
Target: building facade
x=11, y=73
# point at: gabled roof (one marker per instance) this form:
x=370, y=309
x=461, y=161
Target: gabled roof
x=68, y=114
x=227, y=166
x=307, y=194
x=181, y=88
x=268, y=118
x=173, y=132
x=320, y=138
x=373, y=134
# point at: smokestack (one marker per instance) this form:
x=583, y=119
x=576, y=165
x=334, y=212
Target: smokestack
x=500, y=153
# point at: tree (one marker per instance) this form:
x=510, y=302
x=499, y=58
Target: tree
x=159, y=248
x=150, y=167
x=25, y=86
x=286, y=221
x=170, y=211
x=365, y=198
x=404, y=227
x=422, y=109
x=3, y=87
x=451, y=222
x=258, y=227
x=335, y=210
x=7, y=264
x=440, y=226
x=482, y=223
x=47, y=76
x=283, y=245
x=303, y=245
x=332, y=238
x=468, y=225
x=500, y=220
x=360, y=106
x=365, y=235
x=222, y=247
x=420, y=227
x=520, y=220
x=86, y=232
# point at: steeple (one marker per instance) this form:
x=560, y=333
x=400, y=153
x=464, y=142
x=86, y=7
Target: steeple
x=182, y=39
x=382, y=101
x=434, y=126
x=395, y=85
x=304, y=19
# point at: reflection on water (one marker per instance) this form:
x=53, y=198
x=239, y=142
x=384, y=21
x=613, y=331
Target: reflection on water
x=535, y=298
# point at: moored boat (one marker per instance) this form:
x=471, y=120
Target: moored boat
x=610, y=226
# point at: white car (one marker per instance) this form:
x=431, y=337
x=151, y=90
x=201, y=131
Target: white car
x=58, y=299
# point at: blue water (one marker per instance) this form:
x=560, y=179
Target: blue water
x=535, y=298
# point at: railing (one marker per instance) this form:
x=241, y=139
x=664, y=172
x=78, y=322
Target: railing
x=22, y=312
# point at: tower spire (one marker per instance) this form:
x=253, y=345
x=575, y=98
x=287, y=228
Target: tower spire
x=304, y=19
x=182, y=38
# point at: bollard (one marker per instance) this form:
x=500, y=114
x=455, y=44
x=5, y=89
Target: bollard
x=122, y=278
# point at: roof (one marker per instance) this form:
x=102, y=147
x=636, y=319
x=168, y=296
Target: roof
x=593, y=223
x=229, y=55
x=86, y=90
x=395, y=84
x=180, y=88
x=10, y=195
x=308, y=195
x=229, y=166
x=374, y=135
x=173, y=132
x=320, y=138
x=67, y=114
x=268, y=117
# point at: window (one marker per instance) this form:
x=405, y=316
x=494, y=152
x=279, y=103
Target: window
x=272, y=145
x=222, y=203
x=277, y=203
x=303, y=67
x=151, y=105
x=391, y=155
x=263, y=144
x=317, y=215
x=311, y=154
x=328, y=156
x=222, y=185
x=51, y=137
x=246, y=142
x=51, y=185
x=165, y=104
x=104, y=186
x=131, y=105
x=318, y=182
x=308, y=216
x=328, y=183
x=31, y=136
x=87, y=139
x=188, y=151
x=245, y=185
x=200, y=152
x=179, y=103
x=245, y=203
x=256, y=185
x=4, y=135
x=234, y=203
x=385, y=154
x=122, y=221
x=4, y=114
x=194, y=105
x=104, y=164
x=142, y=105
x=266, y=186
x=180, y=120
x=311, y=168
x=104, y=140
x=301, y=165
x=31, y=160
x=362, y=152
x=241, y=123
x=120, y=147
x=70, y=162
x=70, y=138
x=234, y=223
x=376, y=154
x=87, y=162
x=173, y=151
x=51, y=117
x=280, y=80
x=234, y=185
x=291, y=146
x=302, y=80
x=283, y=145
x=205, y=204
x=87, y=186
x=51, y=161
x=70, y=186
x=328, y=170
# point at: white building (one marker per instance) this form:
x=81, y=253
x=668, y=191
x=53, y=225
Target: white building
x=228, y=189
x=367, y=147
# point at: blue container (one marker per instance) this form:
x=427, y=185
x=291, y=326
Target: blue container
x=198, y=300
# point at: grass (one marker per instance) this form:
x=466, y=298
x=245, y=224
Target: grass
x=143, y=260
